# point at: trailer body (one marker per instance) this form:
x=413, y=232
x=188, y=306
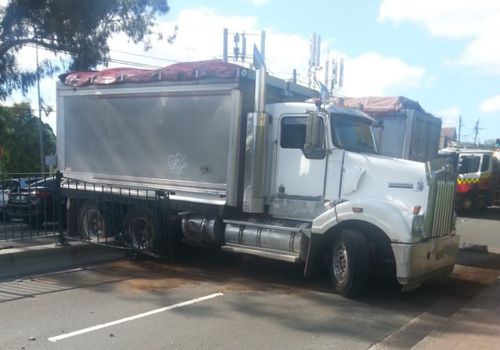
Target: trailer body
x=405, y=130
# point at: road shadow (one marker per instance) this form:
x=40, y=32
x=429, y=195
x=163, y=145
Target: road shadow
x=490, y=213
x=255, y=282
x=479, y=258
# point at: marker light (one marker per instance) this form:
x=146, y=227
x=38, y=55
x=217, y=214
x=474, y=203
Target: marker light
x=416, y=209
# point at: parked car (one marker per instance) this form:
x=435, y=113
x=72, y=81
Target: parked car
x=6, y=188
x=34, y=204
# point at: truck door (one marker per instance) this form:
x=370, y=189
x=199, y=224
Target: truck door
x=299, y=181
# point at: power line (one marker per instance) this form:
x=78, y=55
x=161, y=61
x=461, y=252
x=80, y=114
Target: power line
x=121, y=61
x=136, y=64
x=146, y=56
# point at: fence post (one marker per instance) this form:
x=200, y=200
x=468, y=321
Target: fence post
x=61, y=239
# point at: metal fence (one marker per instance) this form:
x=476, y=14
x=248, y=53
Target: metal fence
x=30, y=206
x=131, y=218
x=50, y=205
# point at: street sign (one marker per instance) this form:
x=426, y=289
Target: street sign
x=51, y=160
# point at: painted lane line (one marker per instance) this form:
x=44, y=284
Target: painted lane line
x=132, y=318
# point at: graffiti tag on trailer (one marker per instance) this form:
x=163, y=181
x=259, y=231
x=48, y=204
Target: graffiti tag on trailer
x=177, y=162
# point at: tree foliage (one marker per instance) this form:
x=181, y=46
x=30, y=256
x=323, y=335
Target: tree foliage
x=80, y=28
x=19, y=139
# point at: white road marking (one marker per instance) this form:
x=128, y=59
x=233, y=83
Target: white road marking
x=60, y=272
x=132, y=318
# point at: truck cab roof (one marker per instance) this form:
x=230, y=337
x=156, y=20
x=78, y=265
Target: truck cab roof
x=304, y=107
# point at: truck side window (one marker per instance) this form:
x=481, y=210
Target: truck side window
x=485, y=165
x=293, y=132
x=468, y=164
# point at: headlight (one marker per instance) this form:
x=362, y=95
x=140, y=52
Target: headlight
x=418, y=226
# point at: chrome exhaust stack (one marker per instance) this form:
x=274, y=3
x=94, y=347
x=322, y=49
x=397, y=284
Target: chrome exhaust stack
x=255, y=154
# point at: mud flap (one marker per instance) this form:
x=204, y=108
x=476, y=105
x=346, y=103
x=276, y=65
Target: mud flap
x=313, y=253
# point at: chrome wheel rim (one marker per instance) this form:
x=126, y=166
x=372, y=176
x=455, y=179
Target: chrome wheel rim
x=141, y=234
x=340, y=261
x=93, y=224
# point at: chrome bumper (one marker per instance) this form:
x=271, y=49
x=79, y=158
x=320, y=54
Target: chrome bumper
x=420, y=261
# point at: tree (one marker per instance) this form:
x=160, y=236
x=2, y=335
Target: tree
x=80, y=28
x=19, y=139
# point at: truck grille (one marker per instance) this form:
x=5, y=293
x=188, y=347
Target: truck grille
x=443, y=207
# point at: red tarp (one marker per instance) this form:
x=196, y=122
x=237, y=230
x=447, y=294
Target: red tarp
x=174, y=72
x=381, y=105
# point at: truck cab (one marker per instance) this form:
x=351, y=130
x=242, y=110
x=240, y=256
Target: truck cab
x=324, y=168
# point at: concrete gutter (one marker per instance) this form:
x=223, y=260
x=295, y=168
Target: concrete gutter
x=40, y=258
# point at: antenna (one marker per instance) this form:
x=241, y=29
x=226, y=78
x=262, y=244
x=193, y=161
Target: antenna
x=460, y=124
x=314, y=58
x=334, y=75
x=240, y=45
x=341, y=74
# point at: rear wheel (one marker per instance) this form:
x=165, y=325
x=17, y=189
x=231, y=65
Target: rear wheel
x=92, y=224
x=349, y=263
x=141, y=229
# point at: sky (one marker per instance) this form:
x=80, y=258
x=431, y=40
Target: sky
x=445, y=54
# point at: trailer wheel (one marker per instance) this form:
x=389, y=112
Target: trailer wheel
x=92, y=224
x=141, y=228
x=349, y=263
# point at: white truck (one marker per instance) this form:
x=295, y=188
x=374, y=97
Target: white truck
x=248, y=172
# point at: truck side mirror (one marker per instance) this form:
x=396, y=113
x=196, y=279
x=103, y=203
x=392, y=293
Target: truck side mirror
x=378, y=129
x=314, y=146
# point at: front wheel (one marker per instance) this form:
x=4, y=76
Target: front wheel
x=349, y=263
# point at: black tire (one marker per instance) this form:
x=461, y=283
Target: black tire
x=468, y=205
x=142, y=229
x=349, y=263
x=91, y=223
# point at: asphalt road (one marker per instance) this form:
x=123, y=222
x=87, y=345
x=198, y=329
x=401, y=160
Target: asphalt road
x=481, y=231
x=207, y=300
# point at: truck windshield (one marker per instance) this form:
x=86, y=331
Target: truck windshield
x=352, y=133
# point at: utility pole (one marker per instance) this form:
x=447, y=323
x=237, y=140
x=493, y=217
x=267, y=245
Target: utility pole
x=263, y=44
x=224, y=44
x=40, y=125
x=460, y=124
x=476, y=131
x=239, y=50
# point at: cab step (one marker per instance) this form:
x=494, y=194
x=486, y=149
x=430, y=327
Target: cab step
x=262, y=252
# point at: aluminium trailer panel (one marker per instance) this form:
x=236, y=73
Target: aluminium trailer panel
x=182, y=138
x=409, y=134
